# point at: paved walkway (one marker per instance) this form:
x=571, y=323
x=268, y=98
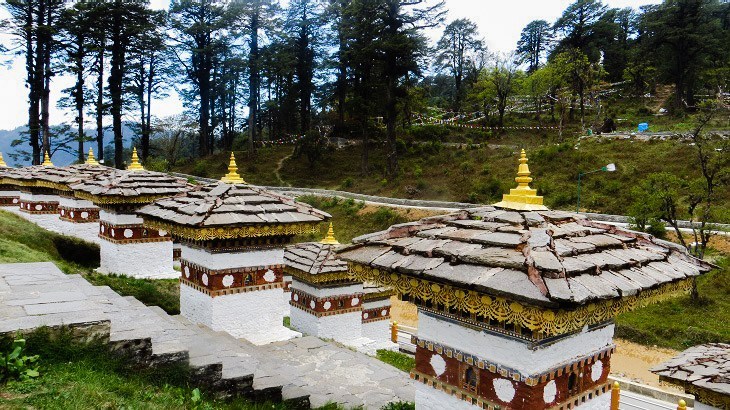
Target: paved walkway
x=38, y=294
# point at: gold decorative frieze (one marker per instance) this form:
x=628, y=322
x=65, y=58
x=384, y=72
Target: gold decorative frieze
x=231, y=232
x=551, y=322
x=329, y=277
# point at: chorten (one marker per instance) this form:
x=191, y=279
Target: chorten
x=516, y=303
x=9, y=193
x=127, y=247
x=39, y=204
x=232, y=238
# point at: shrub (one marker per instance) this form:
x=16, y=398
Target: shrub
x=417, y=172
x=14, y=365
x=399, y=405
x=77, y=251
x=347, y=182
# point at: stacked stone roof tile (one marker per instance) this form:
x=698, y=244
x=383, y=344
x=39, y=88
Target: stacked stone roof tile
x=314, y=258
x=219, y=205
x=705, y=366
x=545, y=258
x=131, y=184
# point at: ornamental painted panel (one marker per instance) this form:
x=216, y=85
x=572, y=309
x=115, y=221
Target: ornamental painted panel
x=231, y=278
x=134, y=233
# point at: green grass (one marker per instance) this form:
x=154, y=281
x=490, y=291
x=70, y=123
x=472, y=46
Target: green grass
x=88, y=376
x=681, y=322
x=398, y=360
x=164, y=293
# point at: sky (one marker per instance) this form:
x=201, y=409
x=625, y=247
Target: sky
x=500, y=23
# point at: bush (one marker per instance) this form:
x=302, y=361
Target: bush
x=14, y=365
x=77, y=251
x=417, y=172
x=347, y=182
x=399, y=405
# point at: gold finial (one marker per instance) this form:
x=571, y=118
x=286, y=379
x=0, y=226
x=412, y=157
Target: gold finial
x=135, y=165
x=682, y=405
x=232, y=176
x=522, y=198
x=2, y=161
x=47, y=160
x=91, y=160
x=330, y=238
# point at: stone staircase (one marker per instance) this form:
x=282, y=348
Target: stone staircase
x=302, y=372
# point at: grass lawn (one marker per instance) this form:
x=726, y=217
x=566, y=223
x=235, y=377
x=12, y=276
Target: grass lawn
x=398, y=360
x=681, y=322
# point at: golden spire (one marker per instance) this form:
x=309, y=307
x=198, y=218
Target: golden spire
x=522, y=198
x=135, y=165
x=47, y=160
x=232, y=176
x=91, y=160
x=330, y=238
x=2, y=161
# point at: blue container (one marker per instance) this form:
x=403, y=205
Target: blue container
x=643, y=127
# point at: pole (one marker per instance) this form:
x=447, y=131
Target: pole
x=615, y=396
x=577, y=207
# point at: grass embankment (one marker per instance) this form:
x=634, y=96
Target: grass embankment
x=398, y=360
x=431, y=169
x=87, y=376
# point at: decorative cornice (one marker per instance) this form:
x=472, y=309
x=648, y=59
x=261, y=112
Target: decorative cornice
x=233, y=232
x=320, y=278
x=550, y=322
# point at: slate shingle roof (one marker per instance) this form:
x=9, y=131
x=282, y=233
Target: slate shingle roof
x=132, y=184
x=220, y=205
x=546, y=258
x=314, y=258
x=705, y=366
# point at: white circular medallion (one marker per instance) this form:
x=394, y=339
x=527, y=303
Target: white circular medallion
x=163, y=233
x=269, y=276
x=128, y=233
x=355, y=301
x=113, y=233
x=312, y=304
x=365, y=315
x=384, y=312
x=505, y=389
x=84, y=215
x=296, y=297
x=327, y=305
x=38, y=207
x=72, y=214
x=102, y=229
x=228, y=281
x=549, y=392
x=439, y=364
x=205, y=279
x=63, y=212
x=15, y=200
x=187, y=272
x=596, y=370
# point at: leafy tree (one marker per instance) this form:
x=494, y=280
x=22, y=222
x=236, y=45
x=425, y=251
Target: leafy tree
x=615, y=31
x=576, y=28
x=683, y=37
x=457, y=48
x=534, y=42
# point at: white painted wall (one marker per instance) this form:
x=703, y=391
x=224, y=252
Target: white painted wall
x=378, y=331
x=247, y=315
x=119, y=218
x=702, y=406
x=342, y=327
x=216, y=261
x=152, y=260
x=509, y=352
x=428, y=398
x=10, y=193
x=27, y=196
x=326, y=292
x=376, y=304
x=75, y=202
x=601, y=402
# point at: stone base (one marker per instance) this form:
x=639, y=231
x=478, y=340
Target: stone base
x=428, y=398
x=342, y=327
x=246, y=315
x=148, y=260
x=601, y=402
x=378, y=331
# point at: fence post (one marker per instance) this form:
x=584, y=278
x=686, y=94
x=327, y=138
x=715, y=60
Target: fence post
x=615, y=395
x=394, y=332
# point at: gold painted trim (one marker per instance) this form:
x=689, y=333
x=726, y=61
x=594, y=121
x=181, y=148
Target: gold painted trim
x=233, y=232
x=330, y=277
x=551, y=322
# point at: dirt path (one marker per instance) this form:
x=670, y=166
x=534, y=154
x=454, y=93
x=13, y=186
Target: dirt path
x=279, y=166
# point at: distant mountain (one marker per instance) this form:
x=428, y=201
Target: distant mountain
x=59, y=158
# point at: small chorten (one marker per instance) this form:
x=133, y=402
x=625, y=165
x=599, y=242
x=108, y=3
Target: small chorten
x=91, y=160
x=2, y=161
x=522, y=198
x=47, y=160
x=330, y=238
x=135, y=165
x=232, y=177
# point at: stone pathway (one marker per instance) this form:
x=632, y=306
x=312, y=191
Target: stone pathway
x=304, y=371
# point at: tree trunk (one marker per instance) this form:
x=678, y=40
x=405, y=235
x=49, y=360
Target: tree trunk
x=253, y=102
x=116, y=77
x=100, y=103
x=79, y=99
